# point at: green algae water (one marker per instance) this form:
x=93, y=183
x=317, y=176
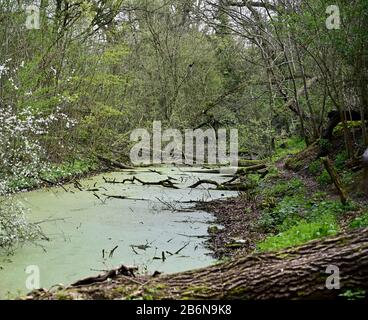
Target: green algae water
x=90, y=232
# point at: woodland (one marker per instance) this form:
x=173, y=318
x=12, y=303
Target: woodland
x=78, y=77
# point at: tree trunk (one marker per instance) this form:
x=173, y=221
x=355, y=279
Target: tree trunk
x=335, y=179
x=364, y=183
x=113, y=163
x=297, y=273
x=336, y=117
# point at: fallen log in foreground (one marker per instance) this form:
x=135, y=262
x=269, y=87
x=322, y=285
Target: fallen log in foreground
x=297, y=273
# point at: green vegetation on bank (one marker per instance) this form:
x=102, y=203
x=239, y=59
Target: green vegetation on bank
x=360, y=222
x=301, y=233
x=294, y=213
x=298, y=219
x=288, y=146
x=55, y=174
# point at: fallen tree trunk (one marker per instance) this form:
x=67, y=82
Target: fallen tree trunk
x=244, y=163
x=113, y=164
x=200, y=182
x=226, y=186
x=297, y=273
x=256, y=168
x=167, y=183
x=335, y=179
x=335, y=117
x=122, y=270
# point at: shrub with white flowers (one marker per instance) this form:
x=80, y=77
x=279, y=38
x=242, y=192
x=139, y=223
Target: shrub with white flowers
x=21, y=152
x=15, y=230
x=22, y=158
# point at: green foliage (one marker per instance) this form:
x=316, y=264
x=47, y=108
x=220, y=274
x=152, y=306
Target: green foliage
x=284, y=188
x=273, y=174
x=292, y=145
x=319, y=196
x=356, y=294
x=291, y=210
x=22, y=183
x=315, y=167
x=55, y=173
x=339, y=130
x=300, y=234
x=341, y=159
x=297, y=219
x=65, y=171
x=254, y=179
x=348, y=178
x=360, y=222
x=100, y=130
x=324, y=145
x=324, y=179
x=256, y=136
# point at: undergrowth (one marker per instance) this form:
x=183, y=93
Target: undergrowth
x=293, y=217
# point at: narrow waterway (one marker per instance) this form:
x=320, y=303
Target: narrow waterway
x=85, y=226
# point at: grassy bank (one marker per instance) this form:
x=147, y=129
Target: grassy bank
x=288, y=207
x=56, y=174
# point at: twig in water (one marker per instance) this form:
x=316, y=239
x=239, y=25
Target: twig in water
x=181, y=249
x=112, y=252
